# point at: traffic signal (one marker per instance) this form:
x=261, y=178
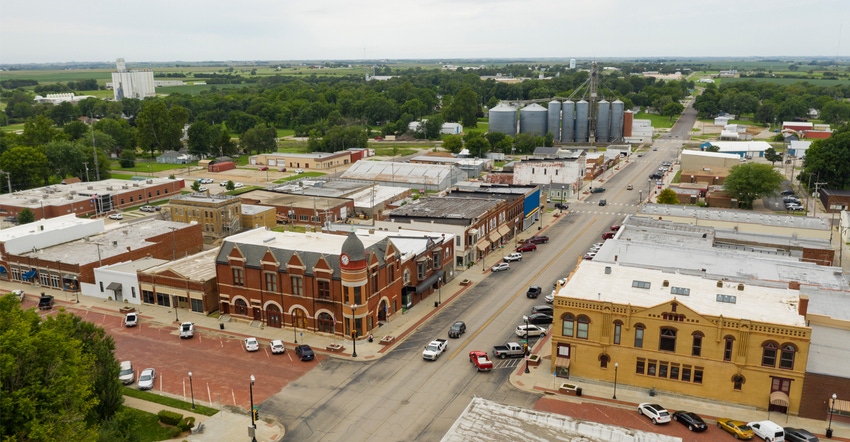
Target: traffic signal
x=256, y=414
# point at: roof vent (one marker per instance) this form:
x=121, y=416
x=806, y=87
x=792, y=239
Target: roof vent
x=740, y=287
x=666, y=283
x=719, y=284
x=607, y=270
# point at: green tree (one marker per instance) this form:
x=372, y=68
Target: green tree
x=196, y=186
x=223, y=143
x=230, y=185
x=202, y=137
x=672, y=109
x=47, y=388
x=25, y=216
x=453, y=143
x=828, y=160
x=260, y=138
x=751, y=181
x=770, y=154
x=667, y=196
x=28, y=167
x=65, y=158
x=160, y=128
x=477, y=145
x=38, y=130
x=120, y=131
x=464, y=108
x=712, y=148
x=433, y=127
x=75, y=130
x=127, y=158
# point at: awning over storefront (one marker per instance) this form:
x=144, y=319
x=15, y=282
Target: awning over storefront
x=504, y=231
x=68, y=276
x=482, y=245
x=3, y=269
x=494, y=236
x=780, y=398
x=428, y=282
x=114, y=286
x=29, y=275
x=562, y=362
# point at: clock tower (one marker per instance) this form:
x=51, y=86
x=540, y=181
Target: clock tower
x=354, y=278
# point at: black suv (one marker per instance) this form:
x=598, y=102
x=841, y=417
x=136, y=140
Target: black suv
x=45, y=302
x=561, y=206
x=457, y=329
x=533, y=291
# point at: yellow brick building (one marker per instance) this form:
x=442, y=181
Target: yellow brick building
x=683, y=334
x=219, y=215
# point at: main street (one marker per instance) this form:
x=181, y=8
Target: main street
x=403, y=397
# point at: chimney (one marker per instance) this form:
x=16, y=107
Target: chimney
x=794, y=285
x=803, y=307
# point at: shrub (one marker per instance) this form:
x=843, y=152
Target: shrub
x=186, y=423
x=169, y=417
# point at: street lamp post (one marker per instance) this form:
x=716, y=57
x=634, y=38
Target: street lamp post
x=540, y=227
x=253, y=414
x=191, y=390
x=640, y=197
x=562, y=197
x=353, y=332
x=831, y=412
x=77, y=288
x=526, y=344
x=294, y=328
x=616, y=366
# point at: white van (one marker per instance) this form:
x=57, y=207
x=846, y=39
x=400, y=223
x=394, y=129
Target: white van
x=131, y=319
x=127, y=375
x=768, y=430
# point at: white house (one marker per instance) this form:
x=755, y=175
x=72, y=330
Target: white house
x=119, y=282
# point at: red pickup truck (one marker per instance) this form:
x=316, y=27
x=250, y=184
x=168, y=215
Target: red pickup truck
x=480, y=360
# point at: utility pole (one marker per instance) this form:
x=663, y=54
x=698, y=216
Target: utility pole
x=8, y=180
x=86, y=164
x=816, y=195
x=94, y=148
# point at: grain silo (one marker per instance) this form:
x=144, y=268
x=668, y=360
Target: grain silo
x=503, y=119
x=581, y=121
x=532, y=120
x=568, y=122
x=603, y=121
x=555, y=119
x=617, y=112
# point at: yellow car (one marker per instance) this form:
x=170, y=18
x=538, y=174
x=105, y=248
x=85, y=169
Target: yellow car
x=736, y=428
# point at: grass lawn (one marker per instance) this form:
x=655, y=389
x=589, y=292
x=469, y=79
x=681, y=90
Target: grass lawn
x=387, y=151
x=657, y=120
x=169, y=402
x=13, y=127
x=147, y=426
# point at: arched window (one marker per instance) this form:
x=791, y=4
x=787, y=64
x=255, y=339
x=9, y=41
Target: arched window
x=567, y=324
x=618, y=331
x=639, y=329
x=667, y=340
x=768, y=355
x=603, y=360
x=727, y=347
x=241, y=307
x=325, y=322
x=696, y=348
x=738, y=381
x=406, y=276
x=583, y=327
x=786, y=356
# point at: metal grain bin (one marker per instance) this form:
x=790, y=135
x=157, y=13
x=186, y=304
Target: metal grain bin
x=503, y=119
x=582, y=108
x=533, y=119
x=555, y=119
x=603, y=121
x=568, y=122
x=617, y=113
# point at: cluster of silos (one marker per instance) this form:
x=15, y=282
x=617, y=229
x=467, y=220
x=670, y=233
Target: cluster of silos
x=568, y=122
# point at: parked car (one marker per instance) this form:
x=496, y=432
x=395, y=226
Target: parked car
x=45, y=302
x=282, y=169
x=500, y=267
x=539, y=318
x=533, y=331
x=251, y=344
x=187, y=330
x=736, y=428
x=533, y=291
x=787, y=192
x=205, y=180
x=690, y=420
x=116, y=216
x=19, y=294
x=589, y=255
x=238, y=185
x=537, y=239
x=264, y=168
x=608, y=235
x=542, y=308
x=146, y=378
x=666, y=163
x=550, y=298
x=597, y=245
x=304, y=352
x=203, y=189
x=223, y=183
x=562, y=206
x=603, y=202
x=656, y=176
x=131, y=319
x=656, y=413
x=630, y=187
x=597, y=190
x=299, y=171
x=768, y=430
x=795, y=207
x=615, y=227
x=126, y=374
x=527, y=247
x=277, y=347
x=516, y=256
x=480, y=360
x=147, y=209
x=799, y=435
x=457, y=329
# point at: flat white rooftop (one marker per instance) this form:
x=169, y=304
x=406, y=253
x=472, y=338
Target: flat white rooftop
x=768, y=305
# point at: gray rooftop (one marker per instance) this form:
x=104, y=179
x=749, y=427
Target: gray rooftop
x=197, y=267
x=408, y=173
x=460, y=208
x=64, y=194
x=251, y=209
x=732, y=215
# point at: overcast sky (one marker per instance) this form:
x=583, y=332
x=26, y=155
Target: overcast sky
x=40, y=31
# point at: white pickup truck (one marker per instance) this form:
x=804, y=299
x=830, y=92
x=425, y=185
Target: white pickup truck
x=435, y=349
